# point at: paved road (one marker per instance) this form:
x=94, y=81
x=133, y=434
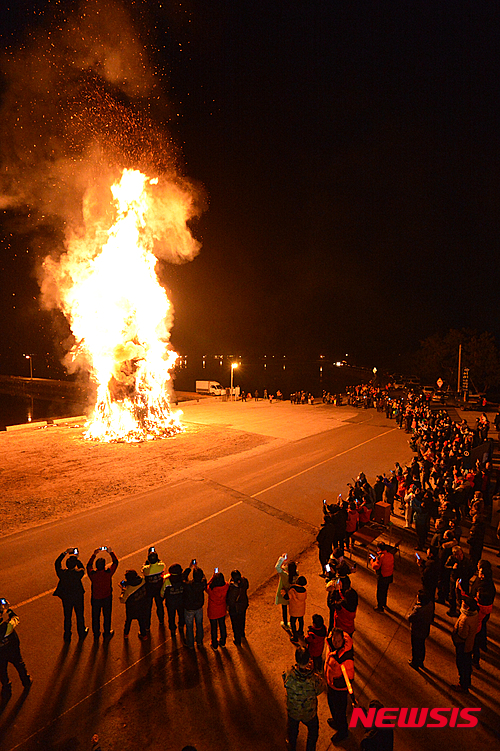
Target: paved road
x=238, y=514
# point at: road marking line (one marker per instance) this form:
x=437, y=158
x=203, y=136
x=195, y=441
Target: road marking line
x=292, y=477
x=185, y=529
x=139, y=550
x=222, y=511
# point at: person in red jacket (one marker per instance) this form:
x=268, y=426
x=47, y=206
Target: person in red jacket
x=383, y=564
x=351, y=523
x=364, y=514
x=343, y=607
x=339, y=658
x=101, y=596
x=315, y=640
x=217, y=608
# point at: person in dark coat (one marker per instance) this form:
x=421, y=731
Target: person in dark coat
x=463, y=636
x=483, y=590
x=237, y=605
x=325, y=538
x=476, y=539
x=336, y=515
x=461, y=570
x=172, y=590
x=193, y=598
x=420, y=618
x=135, y=598
x=378, y=488
x=70, y=590
x=429, y=574
x=10, y=651
x=445, y=551
x=421, y=518
x=153, y=571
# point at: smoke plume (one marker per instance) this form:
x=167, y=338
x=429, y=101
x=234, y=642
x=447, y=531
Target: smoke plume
x=74, y=115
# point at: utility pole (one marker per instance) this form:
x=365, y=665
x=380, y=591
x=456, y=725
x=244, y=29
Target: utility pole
x=459, y=368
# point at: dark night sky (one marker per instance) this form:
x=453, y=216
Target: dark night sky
x=349, y=153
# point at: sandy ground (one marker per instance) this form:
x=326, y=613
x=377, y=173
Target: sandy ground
x=49, y=472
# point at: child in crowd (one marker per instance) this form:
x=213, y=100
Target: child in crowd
x=315, y=640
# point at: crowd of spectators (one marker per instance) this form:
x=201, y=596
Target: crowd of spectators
x=443, y=498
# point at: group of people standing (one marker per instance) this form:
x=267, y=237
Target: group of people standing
x=180, y=592
x=309, y=677
x=439, y=488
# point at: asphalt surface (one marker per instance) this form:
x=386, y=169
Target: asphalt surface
x=240, y=513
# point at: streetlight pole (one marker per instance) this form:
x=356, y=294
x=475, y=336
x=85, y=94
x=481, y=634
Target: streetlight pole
x=28, y=357
x=233, y=366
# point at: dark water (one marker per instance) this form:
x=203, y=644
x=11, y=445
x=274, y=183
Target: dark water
x=288, y=377
x=17, y=410
x=273, y=374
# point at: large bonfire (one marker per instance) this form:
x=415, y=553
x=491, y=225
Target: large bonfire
x=120, y=315
x=101, y=187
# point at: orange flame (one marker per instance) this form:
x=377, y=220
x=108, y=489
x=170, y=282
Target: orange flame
x=120, y=317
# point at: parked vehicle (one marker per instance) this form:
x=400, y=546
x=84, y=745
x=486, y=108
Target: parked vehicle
x=209, y=387
x=398, y=385
x=413, y=383
x=428, y=392
x=474, y=400
x=439, y=396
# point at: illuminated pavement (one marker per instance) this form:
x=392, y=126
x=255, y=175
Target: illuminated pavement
x=240, y=513
x=278, y=420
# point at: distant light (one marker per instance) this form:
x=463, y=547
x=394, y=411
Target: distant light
x=338, y=364
x=234, y=365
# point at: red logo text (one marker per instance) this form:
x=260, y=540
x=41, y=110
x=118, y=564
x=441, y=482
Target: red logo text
x=415, y=717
